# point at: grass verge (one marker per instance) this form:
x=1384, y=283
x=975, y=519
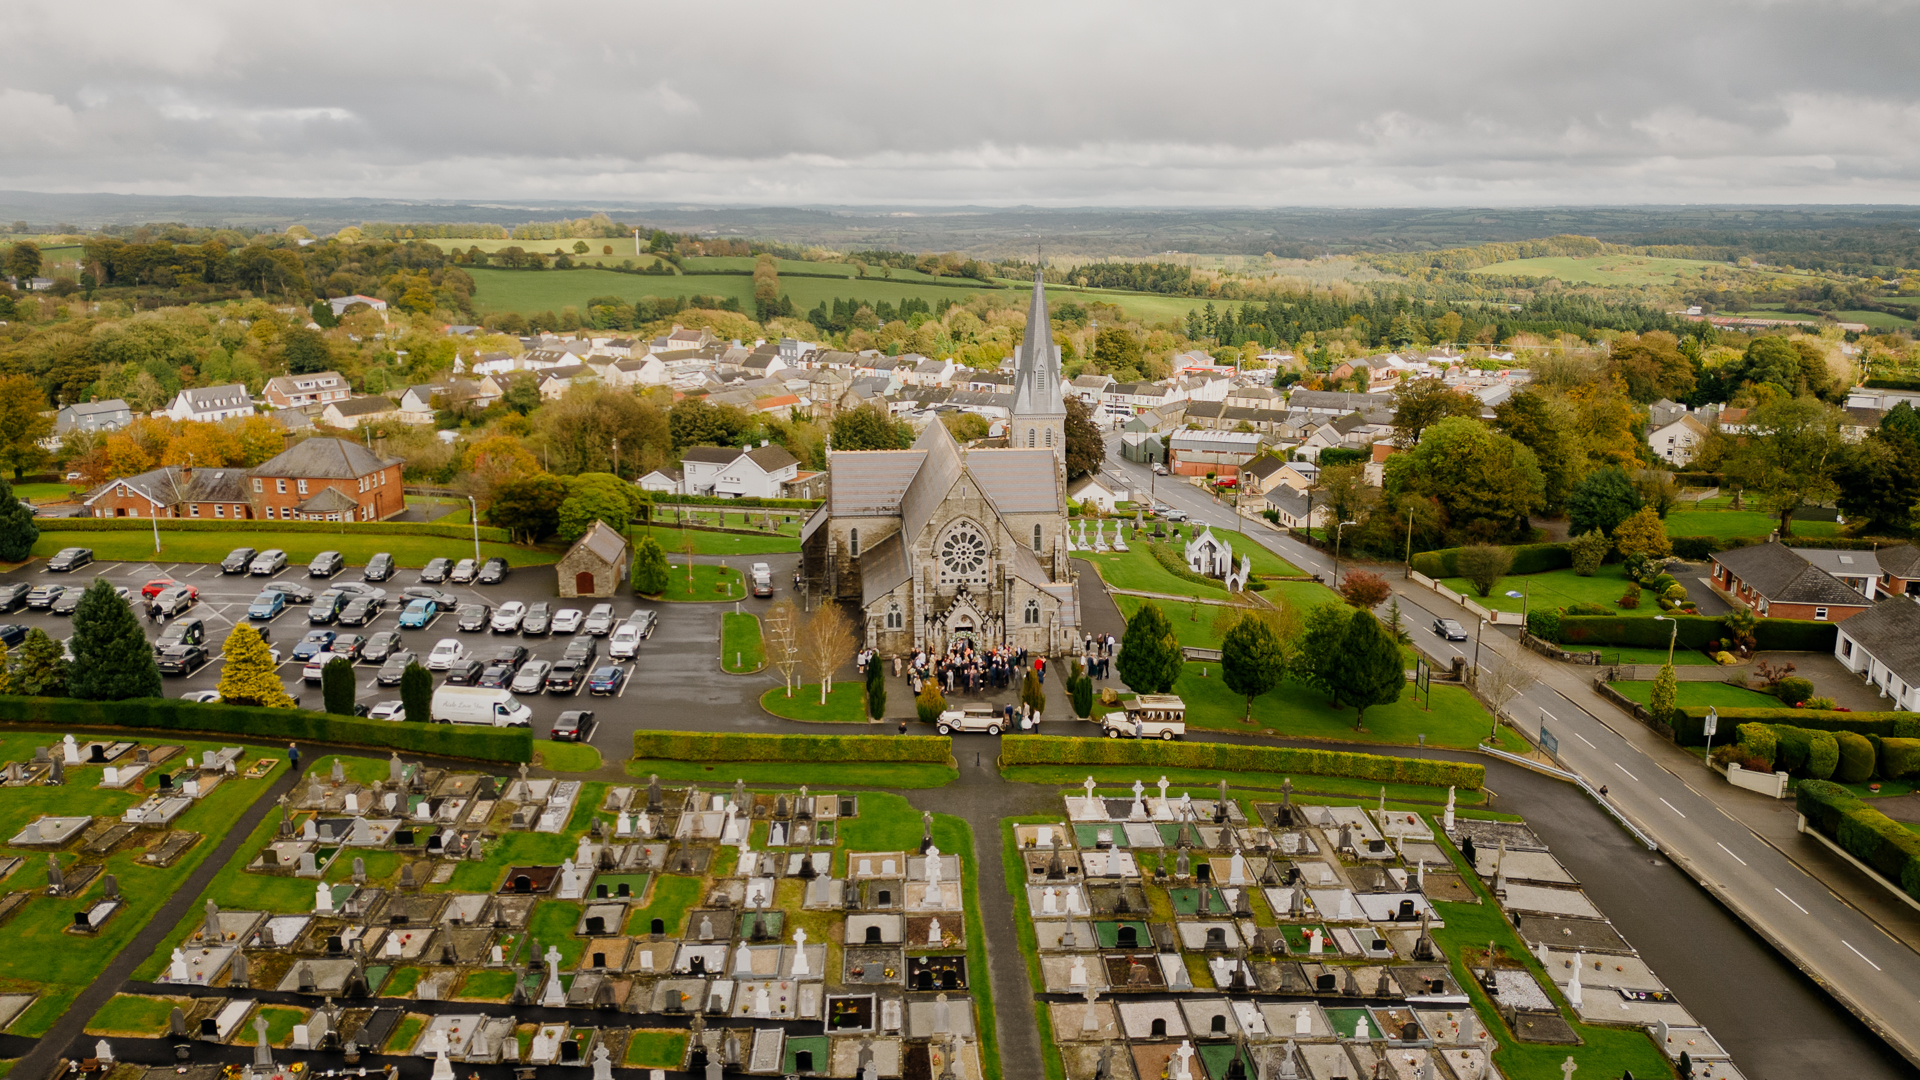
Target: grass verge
x=845, y=704
x=566, y=757
x=741, y=652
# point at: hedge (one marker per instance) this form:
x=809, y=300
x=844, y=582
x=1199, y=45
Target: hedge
x=1699, y=479
x=1527, y=559
x=1233, y=757
x=1881, y=382
x=700, y=746
x=1861, y=831
x=276, y=725
x=1899, y=758
x=1759, y=742
x=1784, y=635
x=664, y=500
x=362, y=528
x=1688, y=721
x=1856, y=758
x=1694, y=548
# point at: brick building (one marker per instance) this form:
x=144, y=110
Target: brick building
x=327, y=480
x=174, y=491
x=1777, y=582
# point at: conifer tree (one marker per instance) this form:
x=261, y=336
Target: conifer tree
x=40, y=670
x=17, y=528
x=1368, y=670
x=248, y=678
x=1150, y=656
x=876, y=689
x=649, y=567
x=416, y=692
x=112, y=660
x=336, y=686
x=1031, y=695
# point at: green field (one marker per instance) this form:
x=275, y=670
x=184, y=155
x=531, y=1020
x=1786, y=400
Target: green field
x=132, y=545
x=1605, y=269
x=846, y=703
x=1702, y=695
x=740, y=651
x=707, y=583
x=1739, y=524
x=1879, y=320
x=1297, y=711
x=717, y=543
x=1561, y=588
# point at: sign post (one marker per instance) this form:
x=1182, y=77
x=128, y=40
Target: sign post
x=1711, y=725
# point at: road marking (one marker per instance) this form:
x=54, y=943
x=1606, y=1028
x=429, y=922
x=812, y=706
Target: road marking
x=1729, y=851
x=1689, y=787
x=1672, y=807
x=1583, y=739
x=1790, y=900
x=1860, y=954
x=1630, y=776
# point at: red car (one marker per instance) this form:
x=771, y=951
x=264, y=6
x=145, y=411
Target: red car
x=159, y=585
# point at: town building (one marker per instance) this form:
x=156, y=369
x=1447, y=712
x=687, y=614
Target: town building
x=173, y=491
x=210, y=403
x=1779, y=583
x=300, y=391
x=595, y=565
x=732, y=473
x=1882, y=644
x=1211, y=453
x=110, y=415
x=324, y=479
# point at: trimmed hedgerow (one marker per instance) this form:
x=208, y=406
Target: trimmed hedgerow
x=1899, y=758
x=1856, y=758
x=1756, y=742
x=1687, y=722
x=1861, y=831
x=1781, y=635
x=1232, y=757
x=730, y=746
x=362, y=528
x=1527, y=559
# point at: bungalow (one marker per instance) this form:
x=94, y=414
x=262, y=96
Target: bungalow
x=342, y=303
x=1776, y=582
x=1096, y=489
x=300, y=391
x=731, y=472
x=556, y=381
x=664, y=482
x=641, y=371
x=356, y=411
x=210, y=403
x=173, y=491
x=1857, y=570
x=1899, y=570
x=1882, y=644
x=1295, y=509
x=1262, y=475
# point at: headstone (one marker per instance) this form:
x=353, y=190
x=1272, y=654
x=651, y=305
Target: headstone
x=262, y=1054
x=56, y=880
x=322, y=898
x=69, y=751
x=110, y=888
x=237, y=974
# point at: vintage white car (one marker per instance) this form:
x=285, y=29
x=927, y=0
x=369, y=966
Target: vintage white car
x=1147, y=716
x=972, y=718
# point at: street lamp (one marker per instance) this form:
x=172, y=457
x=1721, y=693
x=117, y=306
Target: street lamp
x=1522, y=597
x=1711, y=725
x=1338, y=531
x=1672, y=638
x=1476, y=649
x=473, y=514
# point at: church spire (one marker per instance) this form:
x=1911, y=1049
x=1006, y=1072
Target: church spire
x=1036, y=369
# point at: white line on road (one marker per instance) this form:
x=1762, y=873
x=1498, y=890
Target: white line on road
x=1583, y=739
x=1671, y=807
x=1790, y=900
x=1729, y=851
x=1860, y=954
x=1630, y=776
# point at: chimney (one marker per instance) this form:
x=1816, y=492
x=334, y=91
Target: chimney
x=763, y=442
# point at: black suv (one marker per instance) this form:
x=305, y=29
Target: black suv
x=465, y=673
x=436, y=571
x=583, y=650
x=326, y=607
x=182, y=659
x=238, y=560
x=379, y=568
x=566, y=676
x=361, y=610
x=493, y=572
x=14, y=595
x=474, y=617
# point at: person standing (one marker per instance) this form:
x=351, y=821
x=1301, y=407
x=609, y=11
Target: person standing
x=293, y=757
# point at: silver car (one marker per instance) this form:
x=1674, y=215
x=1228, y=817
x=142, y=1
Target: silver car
x=268, y=563
x=531, y=678
x=599, y=620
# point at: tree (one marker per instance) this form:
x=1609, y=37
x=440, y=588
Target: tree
x=1602, y=500
x=1420, y=403
x=1643, y=534
x=1364, y=589
x=1116, y=352
x=1652, y=366
x=1368, y=670
x=492, y=460
x=598, y=497
x=336, y=686
x=23, y=262
x=1031, y=695
x=869, y=427
x=826, y=644
x=1150, y=657
x=876, y=689
x=699, y=422
x=1085, y=448
x=112, y=660
x=1251, y=659
x=1665, y=689
x=1486, y=483
x=1080, y=690
x=1483, y=565
x=416, y=692
x=522, y=394
x=1321, y=638
x=1544, y=423
x=965, y=427
x=1506, y=679
x=1344, y=491
x=931, y=703
x=305, y=351
x=1793, y=448
x=24, y=421
x=649, y=567
x=248, y=676
x=40, y=668
x=1588, y=550
x=781, y=625
x=17, y=528
x=528, y=507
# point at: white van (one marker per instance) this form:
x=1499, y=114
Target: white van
x=1148, y=716
x=474, y=705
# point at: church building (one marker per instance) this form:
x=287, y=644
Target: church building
x=936, y=545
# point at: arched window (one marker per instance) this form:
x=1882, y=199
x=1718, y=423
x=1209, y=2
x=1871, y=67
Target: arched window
x=1036, y=538
x=1029, y=438
x=1049, y=438
x=1033, y=613
x=853, y=542
x=895, y=620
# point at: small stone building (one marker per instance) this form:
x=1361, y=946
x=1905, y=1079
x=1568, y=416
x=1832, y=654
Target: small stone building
x=596, y=564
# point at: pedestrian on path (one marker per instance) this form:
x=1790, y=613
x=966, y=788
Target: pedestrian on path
x=293, y=757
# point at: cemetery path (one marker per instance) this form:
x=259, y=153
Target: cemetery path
x=38, y=1063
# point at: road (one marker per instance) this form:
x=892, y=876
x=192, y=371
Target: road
x=1659, y=787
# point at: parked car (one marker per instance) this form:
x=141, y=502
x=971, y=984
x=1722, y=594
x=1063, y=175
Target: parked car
x=201, y=697
x=268, y=563
x=296, y=592
x=1175, y=515
x=464, y=672
x=155, y=587
x=191, y=630
x=312, y=644
x=762, y=577
x=647, y=620
x=507, y=619
x=566, y=620
x=473, y=617
x=566, y=676
x=42, y=596
x=599, y=621
x=360, y=588
x=445, y=599
x=418, y=614
x=182, y=660
x=509, y=654
x=492, y=572
x=583, y=650
x=268, y=605
x=326, y=564
x=1159, y=469
x=387, y=710
x=985, y=718
x=238, y=560
x=464, y=572
x=176, y=600
x=574, y=725
x=69, y=599
x=445, y=654
x=379, y=568
x=14, y=595
x=396, y=666
x=538, y=620
x=317, y=665
x=361, y=610
x=624, y=643
x=326, y=607
x=380, y=646
x=531, y=678
x=1449, y=630
x=607, y=679
x=496, y=676
x=67, y=560
x=13, y=634
x=435, y=572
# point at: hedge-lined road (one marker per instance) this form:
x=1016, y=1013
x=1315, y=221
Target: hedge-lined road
x=1723, y=837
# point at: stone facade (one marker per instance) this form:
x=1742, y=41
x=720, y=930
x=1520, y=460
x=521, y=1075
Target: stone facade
x=596, y=564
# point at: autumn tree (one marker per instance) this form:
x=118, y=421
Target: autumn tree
x=23, y=262
x=782, y=626
x=1793, y=448
x=248, y=677
x=24, y=421
x=1420, y=403
x=1486, y=483
x=1643, y=533
x=1085, y=448
x=826, y=644
x=528, y=506
x=1364, y=589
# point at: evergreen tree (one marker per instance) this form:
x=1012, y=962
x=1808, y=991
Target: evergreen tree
x=1081, y=690
x=41, y=668
x=1602, y=500
x=416, y=692
x=1368, y=670
x=876, y=689
x=1031, y=695
x=1320, y=641
x=931, y=702
x=248, y=677
x=112, y=660
x=1665, y=689
x=1149, y=653
x=1251, y=659
x=336, y=686
x=17, y=529
x=649, y=567
x=6, y=672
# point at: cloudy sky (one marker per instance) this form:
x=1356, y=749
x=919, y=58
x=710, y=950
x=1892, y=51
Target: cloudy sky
x=1049, y=103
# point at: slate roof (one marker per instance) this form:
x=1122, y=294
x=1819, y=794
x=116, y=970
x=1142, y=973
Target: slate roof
x=603, y=542
x=936, y=476
x=883, y=568
x=362, y=406
x=324, y=459
x=871, y=481
x=1890, y=632
x=1850, y=563
x=210, y=398
x=329, y=500
x=1783, y=577
x=1900, y=560
x=168, y=487
x=1018, y=481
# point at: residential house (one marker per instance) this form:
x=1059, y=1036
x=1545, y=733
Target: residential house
x=1099, y=490
x=680, y=340
x=354, y=412
x=1883, y=645
x=323, y=479
x=1776, y=582
x=1300, y=475
x=1375, y=471
x=1211, y=453
x=796, y=353
x=1330, y=403
x=173, y=491
x=416, y=402
x=342, y=303
x=1857, y=570
x=300, y=391
x=1899, y=570
x=1088, y=388
x=556, y=381
x=1262, y=475
x=733, y=473
x=595, y=565
x=110, y=415
x=638, y=371
x=664, y=482
x=1211, y=386
x=763, y=363
x=1295, y=508
x=1679, y=439
x=208, y=403
x=1254, y=397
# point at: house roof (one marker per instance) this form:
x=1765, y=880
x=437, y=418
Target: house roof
x=1293, y=501
x=324, y=459
x=361, y=406
x=1018, y=481
x=209, y=398
x=329, y=500
x=871, y=481
x=171, y=485
x=603, y=542
x=772, y=458
x=1900, y=560
x=1264, y=466
x=1890, y=632
x=713, y=455
x=1776, y=572
x=91, y=408
x=1837, y=563
x=301, y=384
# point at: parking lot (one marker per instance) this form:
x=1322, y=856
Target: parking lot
x=674, y=681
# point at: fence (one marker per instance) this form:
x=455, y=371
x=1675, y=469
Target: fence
x=1477, y=610
x=1631, y=707
x=1554, y=652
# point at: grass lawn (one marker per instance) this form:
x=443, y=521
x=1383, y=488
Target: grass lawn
x=301, y=547
x=45, y=493
x=846, y=703
x=1560, y=588
x=405, y=1032
x=656, y=1049
x=1293, y=710
x=487, y=985
x=666, y=518
x=1735, y=524
x=672, y=897
x=1702, y=694
x=1137, y=569
x=1328, y=789
x=1604, y=270
x=134, y=1014
x=553, y=923
x=553, y=290
x=818, y=774
x=566, y=757
x=281, y=1021
x=740, y=650
x=1681, y=657
x=716, y=543
x=708, y=582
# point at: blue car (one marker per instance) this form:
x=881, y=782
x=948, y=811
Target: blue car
x=315, y=643
x=267, y=605
x=418, y=614
x=606, y=680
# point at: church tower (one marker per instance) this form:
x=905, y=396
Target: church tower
x=1039, y=414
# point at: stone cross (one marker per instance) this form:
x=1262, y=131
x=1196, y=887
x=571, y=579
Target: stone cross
x=940, y=1020
x=602, y=1064
x=1574, y=990
x=1091, y=1021
x=1567, y=1067
x=1184, y=1069
x=1163, y=791
x=1089, y=785
x=262, y=1054
x=933, y=868
x=212, y=927
x=1449, y=810
x=800, y=965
